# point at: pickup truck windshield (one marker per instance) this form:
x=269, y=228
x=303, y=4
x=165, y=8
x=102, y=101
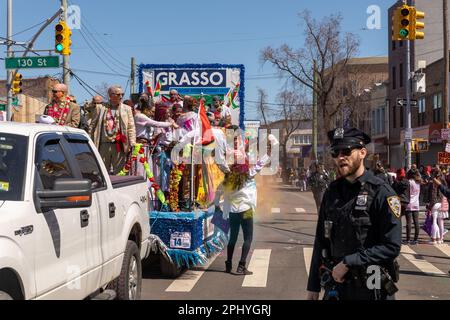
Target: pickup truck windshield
x=13, y=158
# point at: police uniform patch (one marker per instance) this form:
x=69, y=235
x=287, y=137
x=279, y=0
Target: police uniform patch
x=4, y=186
x=394, y=204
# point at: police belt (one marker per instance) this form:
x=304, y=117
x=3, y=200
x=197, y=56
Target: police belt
x=358, y=276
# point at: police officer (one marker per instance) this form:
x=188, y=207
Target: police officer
x=358, y=234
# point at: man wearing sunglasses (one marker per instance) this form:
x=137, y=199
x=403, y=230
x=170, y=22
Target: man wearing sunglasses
x=63, y=111
x=113, y=130
x=358, y=235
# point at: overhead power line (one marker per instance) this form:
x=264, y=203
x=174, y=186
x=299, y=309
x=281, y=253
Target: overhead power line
x=27, y=29
x=87, y=26
x=97, y=55
x=82, y=82
x=101, y=73
x=103, y=51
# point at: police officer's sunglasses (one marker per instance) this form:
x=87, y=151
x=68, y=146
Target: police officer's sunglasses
x=346, y=152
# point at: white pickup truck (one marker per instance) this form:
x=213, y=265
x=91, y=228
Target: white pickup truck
x=67, y=229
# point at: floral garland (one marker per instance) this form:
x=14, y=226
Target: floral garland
x=175, y=178
x=59, y=114
x=139, y=150
x=111, y=135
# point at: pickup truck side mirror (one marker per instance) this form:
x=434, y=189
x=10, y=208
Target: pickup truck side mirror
x=66, y=193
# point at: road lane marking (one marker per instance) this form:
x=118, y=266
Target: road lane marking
x=259, y=265
x=276, y=210
x=445, y=248
x=189, y=279
x=419, y=262
x=300, y=210
x=307, y=254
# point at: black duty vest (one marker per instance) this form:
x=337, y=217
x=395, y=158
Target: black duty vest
x=351, y=221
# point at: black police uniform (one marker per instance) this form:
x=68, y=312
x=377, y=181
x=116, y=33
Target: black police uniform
x=359, y=224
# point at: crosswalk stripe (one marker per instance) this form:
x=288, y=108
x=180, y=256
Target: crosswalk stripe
x=189, y=279
x=276, y=210
x=445, y=248
x=419, y=262
x=300, y=210
x=307, y=254
x=259, y=265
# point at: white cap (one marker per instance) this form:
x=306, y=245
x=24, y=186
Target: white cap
x=46, y=119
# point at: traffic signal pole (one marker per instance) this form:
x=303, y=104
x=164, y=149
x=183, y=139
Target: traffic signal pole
x=66, y=70
x=446, y=64
x=9, y=54
x=408, y=137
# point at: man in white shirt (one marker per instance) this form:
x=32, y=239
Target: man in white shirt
x=219, y=108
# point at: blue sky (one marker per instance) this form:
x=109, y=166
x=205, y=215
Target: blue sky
x=180, y=31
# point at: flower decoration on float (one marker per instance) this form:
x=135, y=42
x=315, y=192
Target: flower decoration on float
x=139, y=151
x=174, y=183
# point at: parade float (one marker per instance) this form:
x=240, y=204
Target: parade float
x=186, y=229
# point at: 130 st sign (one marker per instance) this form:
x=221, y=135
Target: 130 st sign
x=32, y=62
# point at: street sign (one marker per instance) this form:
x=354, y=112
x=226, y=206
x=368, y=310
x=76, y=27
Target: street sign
x=2, y=107
x=253, y=124
x=402, y=102
x=447, y=147
x=444, y=134
x=408, y=134
x=444, y=158
x=32, y=62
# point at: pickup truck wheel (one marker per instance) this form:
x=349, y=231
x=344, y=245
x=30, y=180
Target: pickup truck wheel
x=5, y=296
x=170, y=270
x=129, y=284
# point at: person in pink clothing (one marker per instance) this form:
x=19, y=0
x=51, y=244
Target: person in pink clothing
x=438, y=206
x=412, y=209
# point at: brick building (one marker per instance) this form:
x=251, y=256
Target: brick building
x=351, y=93
x=427, y=118
x=37, y=93
x=38, y=88
x=378, y=122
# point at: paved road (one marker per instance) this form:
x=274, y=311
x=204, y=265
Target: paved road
x=280, y=257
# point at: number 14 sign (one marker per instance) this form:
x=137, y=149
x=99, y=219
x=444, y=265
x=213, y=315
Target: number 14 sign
x=180, y=240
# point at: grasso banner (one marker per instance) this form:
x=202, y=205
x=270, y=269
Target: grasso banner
x=225, y=81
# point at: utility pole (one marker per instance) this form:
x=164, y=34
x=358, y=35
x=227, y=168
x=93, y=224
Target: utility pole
x=314, y=147
x=9, y=54
x=408, y=132
x=133, y=75
x=446, y=64
x=66, y=73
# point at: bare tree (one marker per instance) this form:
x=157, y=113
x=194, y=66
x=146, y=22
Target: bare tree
x=262, y=106
x=102, y=89
x=293, y=112
x=326, y=52
x=348, y=97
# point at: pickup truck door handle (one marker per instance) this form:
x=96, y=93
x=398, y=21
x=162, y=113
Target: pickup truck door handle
x=112, y=210
x=84, y=217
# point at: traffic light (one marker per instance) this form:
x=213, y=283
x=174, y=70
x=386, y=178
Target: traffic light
x=401, y=22
x=17, y=84
x=62, y=38
x=419, y=146
x=405, y=24
x=417, y=25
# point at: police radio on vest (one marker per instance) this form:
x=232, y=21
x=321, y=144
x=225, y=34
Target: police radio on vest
x=188, y=79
